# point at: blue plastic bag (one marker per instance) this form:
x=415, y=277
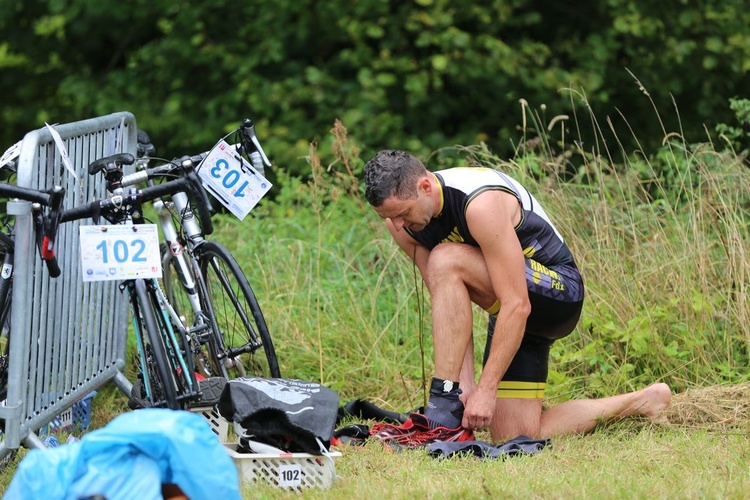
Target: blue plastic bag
x=131, y=458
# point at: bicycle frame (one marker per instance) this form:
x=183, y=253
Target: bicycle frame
x=187, y=268
x=175, y=249
x=186, y=245
x=169, y=320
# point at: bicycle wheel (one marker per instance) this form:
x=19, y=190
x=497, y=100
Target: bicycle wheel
x=177, y=346
x=203, y=344
x=157, y=368
x=247, y=349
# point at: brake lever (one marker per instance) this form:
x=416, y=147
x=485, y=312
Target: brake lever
x=51, y=223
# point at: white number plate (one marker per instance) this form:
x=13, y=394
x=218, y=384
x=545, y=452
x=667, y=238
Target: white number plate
x=232, y=180
x=290, y=475
x=118, y=252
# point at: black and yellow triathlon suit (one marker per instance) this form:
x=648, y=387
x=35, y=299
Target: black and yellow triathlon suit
x=553, y=280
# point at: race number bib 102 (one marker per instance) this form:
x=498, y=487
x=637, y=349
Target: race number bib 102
x=118, y=252
x=232, y=180
x=290, y=475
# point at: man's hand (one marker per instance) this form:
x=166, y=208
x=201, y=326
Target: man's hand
x=480, y=408
x=466, y=393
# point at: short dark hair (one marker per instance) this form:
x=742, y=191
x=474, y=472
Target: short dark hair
x=392, y=173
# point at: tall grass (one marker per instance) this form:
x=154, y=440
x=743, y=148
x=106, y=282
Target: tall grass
x=339, y=298
x=662, y=241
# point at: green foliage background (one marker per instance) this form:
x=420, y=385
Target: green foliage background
x=625, y=116
x=415, y=74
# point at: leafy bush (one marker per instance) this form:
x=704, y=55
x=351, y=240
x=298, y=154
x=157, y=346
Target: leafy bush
x=410, y=75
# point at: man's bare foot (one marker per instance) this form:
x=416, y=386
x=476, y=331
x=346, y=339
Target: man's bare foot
x=653, y=400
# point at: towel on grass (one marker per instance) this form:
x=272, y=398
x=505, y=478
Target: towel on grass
x=521, y=445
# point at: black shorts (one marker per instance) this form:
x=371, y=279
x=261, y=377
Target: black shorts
x=556, y=297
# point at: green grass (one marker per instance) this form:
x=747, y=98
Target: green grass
x=626, y=460
x=629, y=461
x=664, y=245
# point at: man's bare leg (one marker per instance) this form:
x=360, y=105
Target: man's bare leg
x=466, y=378
x=514, y=417
x=581, y=416
x=455, y=272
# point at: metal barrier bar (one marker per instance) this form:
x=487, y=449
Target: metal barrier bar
x=67, y=337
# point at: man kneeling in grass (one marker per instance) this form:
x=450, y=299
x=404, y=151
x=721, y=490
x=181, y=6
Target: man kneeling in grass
x=479, y=236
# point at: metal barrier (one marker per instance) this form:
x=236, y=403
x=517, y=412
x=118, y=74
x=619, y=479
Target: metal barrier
x=67, y=337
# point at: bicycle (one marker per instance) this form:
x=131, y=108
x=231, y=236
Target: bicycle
x=166, y=370
x=204, y=282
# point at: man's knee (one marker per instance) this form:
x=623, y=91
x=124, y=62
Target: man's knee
x=452, y=259
x=515, y=417
x=448, y=255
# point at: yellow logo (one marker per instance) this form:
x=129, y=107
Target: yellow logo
x=454, y=237
x=539, y=268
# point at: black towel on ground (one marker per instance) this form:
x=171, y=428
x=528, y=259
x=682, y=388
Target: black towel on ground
x=521, y=445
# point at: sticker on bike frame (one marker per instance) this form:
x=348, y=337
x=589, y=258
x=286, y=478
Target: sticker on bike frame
x=232, y=180
x=118, y=252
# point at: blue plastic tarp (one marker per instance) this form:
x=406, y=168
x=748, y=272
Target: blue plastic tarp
x=131, y=458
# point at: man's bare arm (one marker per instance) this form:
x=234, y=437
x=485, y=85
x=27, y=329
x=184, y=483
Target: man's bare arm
x=491, y=218
x=417, y=252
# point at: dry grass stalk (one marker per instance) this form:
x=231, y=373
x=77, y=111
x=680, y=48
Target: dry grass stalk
x=713, y=408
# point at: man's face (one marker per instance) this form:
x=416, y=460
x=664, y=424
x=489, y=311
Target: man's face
x=413, y=213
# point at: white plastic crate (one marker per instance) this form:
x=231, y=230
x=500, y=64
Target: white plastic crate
x=292, y=471
x=218, y=423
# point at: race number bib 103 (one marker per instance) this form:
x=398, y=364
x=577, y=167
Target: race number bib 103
x=118, y=252
x=232, y=180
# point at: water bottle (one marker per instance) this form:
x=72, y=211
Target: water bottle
x=72, y=439
x=50, y=441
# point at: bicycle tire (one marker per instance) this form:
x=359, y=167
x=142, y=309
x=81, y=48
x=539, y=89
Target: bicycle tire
x=206, y=353
x=160, y=379
x=231, y=298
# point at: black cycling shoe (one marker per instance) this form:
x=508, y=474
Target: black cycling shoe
x=137, y=398
x=211, y=389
